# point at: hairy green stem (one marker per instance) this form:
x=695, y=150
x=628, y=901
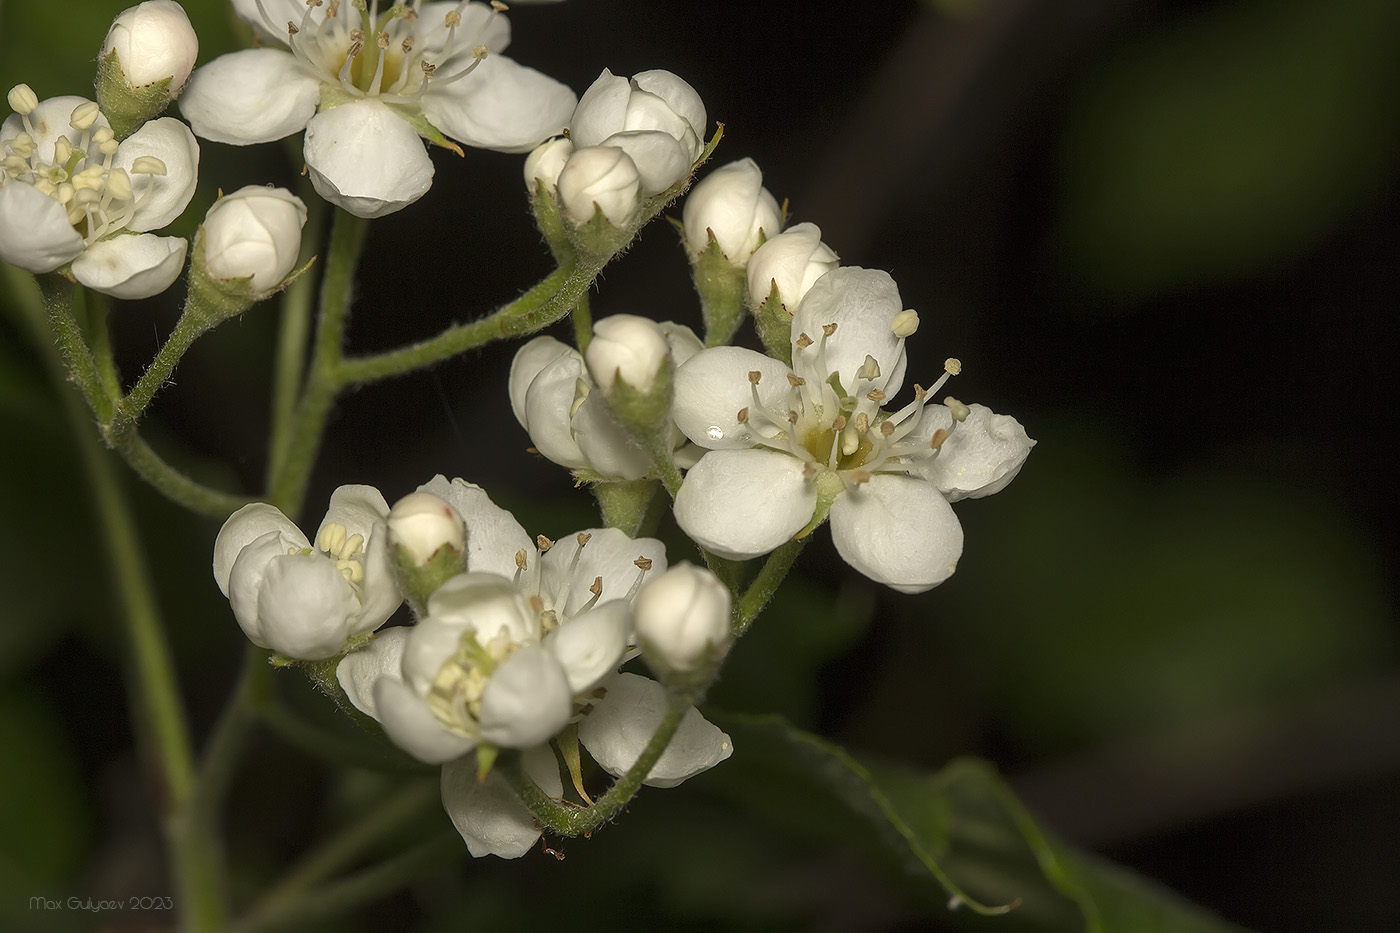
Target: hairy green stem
x=98, y=307
x=189, y=328
x=769, y=578
x=78, y=363
x=173, y=484
x=287, y=487
x=293, y=334
x=569, y=820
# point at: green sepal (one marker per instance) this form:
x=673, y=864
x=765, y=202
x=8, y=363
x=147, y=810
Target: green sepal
x=626, y=505
x=216, y=300
x=486, y=755
x=600, y=237
x=125, y=107
x=567, y=740
x=723, y=288
x=550, y=221
x=418, y=582
x=645, y=415
x=423, y=128
x=829, y=486
x=773, y=321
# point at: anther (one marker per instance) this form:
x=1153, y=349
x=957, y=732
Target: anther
x=642, y=563
x=743, y=416
x=795, y=380
x=583, y=538
x=84, y=115
x=428, y=68
x=803, y=341
x=870, y=369
x=520, y=559
x=22, y=99
x=876, y=396
x=452, y=19
x=755, y=377
x=938, y=438
x=905, y=323
x=959, y=410
x=544, y=543
x=952, y=366
x=536, y=603
x=829, y=329
x=792, y=417
x=597, y=588
x=886, y=428
x=407, y=45
x=498, y=6
x=147, y=165
x=862, y=422
x=859, y=476
x=809, y=469
x=480, y=52
x=839, y=423
x=292, y=28
x=119, y=184
x=383, y=40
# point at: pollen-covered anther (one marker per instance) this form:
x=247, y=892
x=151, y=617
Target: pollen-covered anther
x=952, y=366
x=427, y=68
x=452, y=20
x=905, y=323
x=642, y=563
x=147, y=165
x=357, y=37
x=596, y=588
x=743, y=416
x=498, y=6
x=938, y=438
x=520, y=559
x=410, y=15
x=792, y=417
x=869, y=370
x=536, y=603
x=292, y=28
x=838, y=423
x=480, y=52
x=755, y=377
x=803, y=341
x=957, y=408
x=862, y=422
x=920, y=393
x=544, y=543
x=407, y=45
x=876, y=396
x=382, y=40
x=795, y=380
x=829, y=329
x=886, y=428
x=583, y=538
x=859, y=476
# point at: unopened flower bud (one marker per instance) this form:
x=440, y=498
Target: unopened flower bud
x=791, y=261
x=628, y=347
x=153, y=41
x=655, y=116
x=732, y=205
x=599, y=178
x=253, y=234
x=144, y=64
x=682, y=619
x=546, y=161
x=422, y=524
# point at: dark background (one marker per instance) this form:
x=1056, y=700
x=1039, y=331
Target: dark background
x=1162, y=235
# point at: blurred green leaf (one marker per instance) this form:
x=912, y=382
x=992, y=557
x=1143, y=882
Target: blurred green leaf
x=963, y=821
x=1229, y=144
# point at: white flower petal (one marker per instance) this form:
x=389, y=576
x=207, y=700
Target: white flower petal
x=684, y=343
x=661, y=160
x=494, y=537
x=713, y=386
x=897, y=530
x=743, y=503
x=488, y=604
x=50, y=120
x=526, y=701
x=488, y=814
x=364, y=157
x=380, y=596
x=548, y=401
x=35, y=233
x=590, y=646
x=160, y=198
x=245, y=526
x=245, y=579
x=502, y=106
x=250, y=96
x=609, y=554
x=623, y=722
x=606, y=446
x=413, y=727
x=358, y=671
x=981, y=455
x=862, y=303
x=530, y=360
x=601, y=110
x=131, y=266
x=304, y=606
x=356, y=506
x=279, y=13
x=679, y=96
x=479, y=25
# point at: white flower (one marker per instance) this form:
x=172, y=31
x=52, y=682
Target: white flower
x=598, y=178
x=546, y=161
x=792, y=262
x=305, y=601
x=69, y=192
x=254, y=233
x=731, y=205
x=512, y=649
x=655, y=117
x=153, y=40
x=488, y=814
x=365, y=84
x=624, y=721
x=682, y=618
x=785, y=445
x=626, y=347
x=422, y=524
x=554, y=400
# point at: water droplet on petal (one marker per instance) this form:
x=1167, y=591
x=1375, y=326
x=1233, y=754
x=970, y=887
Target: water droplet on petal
x=715, y=433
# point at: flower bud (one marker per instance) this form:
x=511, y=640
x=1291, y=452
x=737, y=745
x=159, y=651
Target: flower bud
x=790, y=262
x=656, y=117
x=546, y=161
x=422, y=524
x=145, y=61
x=731, y=205
x=253, y=234
x=599, y=178
x=682, y=619
x=153, y=41
x=627, y=347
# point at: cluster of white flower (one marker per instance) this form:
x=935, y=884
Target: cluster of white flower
x=525, y=639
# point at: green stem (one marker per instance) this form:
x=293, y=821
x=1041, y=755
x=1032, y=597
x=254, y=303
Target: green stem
x=187, y=330
x=293, y=334
x=78, y=363
x=98, y=308
x=173, y=484
x=769, y=578
x=583, y=324
x=569, y=820
x=287, y=487
x=332, y=900
x=346, y=848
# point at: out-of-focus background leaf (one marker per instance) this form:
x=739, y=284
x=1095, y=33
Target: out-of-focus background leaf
x=1162, y=233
